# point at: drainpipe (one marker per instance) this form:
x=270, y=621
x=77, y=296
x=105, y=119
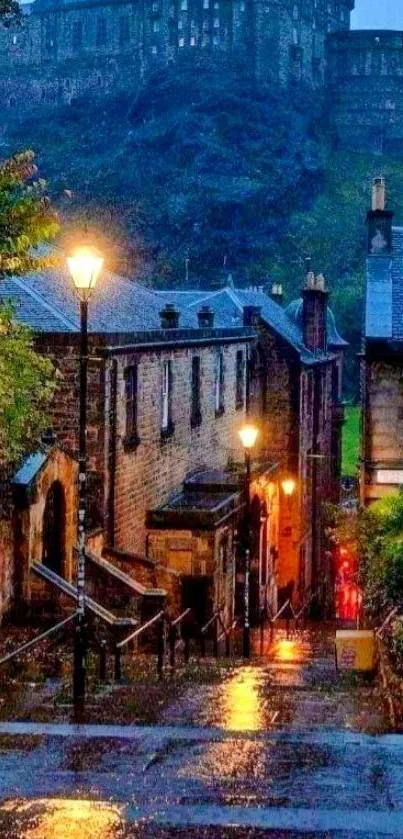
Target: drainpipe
x=112, y=451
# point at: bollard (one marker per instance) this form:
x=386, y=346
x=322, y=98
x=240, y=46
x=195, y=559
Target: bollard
x=186, y=649
x=118, y=665
x=102, y=662
x=215, y=643
x=172, y=646
x=261, y=632
x=203, y=645
x=161, y=647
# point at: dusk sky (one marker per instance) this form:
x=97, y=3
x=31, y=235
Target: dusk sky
x=378, y=14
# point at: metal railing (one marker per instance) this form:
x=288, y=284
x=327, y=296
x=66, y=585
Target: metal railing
x=176, y=639
x=158, y=619
x=27, y=646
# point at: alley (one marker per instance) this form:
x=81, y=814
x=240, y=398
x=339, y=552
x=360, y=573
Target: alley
x=282, y=746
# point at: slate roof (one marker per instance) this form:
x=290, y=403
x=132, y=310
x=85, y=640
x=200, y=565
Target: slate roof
x=45, y=300
x=334, y=339
x=227, y=305
x=384, y=294
x=30, y=468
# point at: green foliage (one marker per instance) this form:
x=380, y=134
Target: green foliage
x=26, y=378
x=26, y=218
x=381, y=553
x=351, y=441
x=26, y=385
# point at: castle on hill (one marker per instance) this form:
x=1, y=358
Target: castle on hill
x=67, y=48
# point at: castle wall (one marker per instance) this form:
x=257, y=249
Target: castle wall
x=67, y=48
x=365, y=79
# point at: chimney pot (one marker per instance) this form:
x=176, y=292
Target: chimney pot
x=169, y=317
x=276, y=293
x=378, y=194
x=205, y=317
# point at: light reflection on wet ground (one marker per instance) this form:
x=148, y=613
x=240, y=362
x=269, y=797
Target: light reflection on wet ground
x=308, y=758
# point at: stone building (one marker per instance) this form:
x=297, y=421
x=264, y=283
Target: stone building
x=295, y=381
x=66, y=48
x=167, y=396
x=382, y=358
x=365, y=77
x=172, y=377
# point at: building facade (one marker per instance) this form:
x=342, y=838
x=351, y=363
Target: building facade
x=172, y=378
x=381, y=362
x=67, y=48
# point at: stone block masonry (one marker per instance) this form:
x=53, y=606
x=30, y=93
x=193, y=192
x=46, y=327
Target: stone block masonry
x=68, y=48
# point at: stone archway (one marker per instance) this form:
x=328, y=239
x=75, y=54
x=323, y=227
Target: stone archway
x=54, y=529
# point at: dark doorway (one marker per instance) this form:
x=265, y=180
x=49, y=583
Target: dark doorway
x=196, y=596
x=54, y=527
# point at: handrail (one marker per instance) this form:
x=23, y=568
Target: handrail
x=227, y=630
x=212, y=619
x=181, y=617
x=280, y=611
x=140, y=630
x=36, y=640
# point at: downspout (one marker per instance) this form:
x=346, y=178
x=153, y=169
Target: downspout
x=112, y=422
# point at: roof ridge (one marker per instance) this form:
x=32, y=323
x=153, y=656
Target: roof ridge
x=207, y=297
x=45, y=303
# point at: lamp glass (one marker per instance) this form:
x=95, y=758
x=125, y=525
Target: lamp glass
x=248, y=434
x=288, y=486
x=85, y=266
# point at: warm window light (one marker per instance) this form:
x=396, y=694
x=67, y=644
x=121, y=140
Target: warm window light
x=288, y=486
x=85, y=266
x=248, y=435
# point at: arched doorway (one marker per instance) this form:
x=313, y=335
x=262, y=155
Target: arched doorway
x=54, y=528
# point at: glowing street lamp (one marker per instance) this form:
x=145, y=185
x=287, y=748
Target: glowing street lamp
x=248, y=434
x=288, y=485
x=85, y=265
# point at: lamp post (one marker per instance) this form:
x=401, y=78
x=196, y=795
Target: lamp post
x=85, y=266
x=248, y=435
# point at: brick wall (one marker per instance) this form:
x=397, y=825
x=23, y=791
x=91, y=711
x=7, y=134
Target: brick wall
x=149, y=473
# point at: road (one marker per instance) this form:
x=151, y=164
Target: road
x=279, y=748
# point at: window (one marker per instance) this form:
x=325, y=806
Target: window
x=77, y=38
x=101, y=31
x=166, y=413
x=219, y=385
x=184, y=5
x=240, y=380
x=131, y=379
x=195, y=415
x=124, y=30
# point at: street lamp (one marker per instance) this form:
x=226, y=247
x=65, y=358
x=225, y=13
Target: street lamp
x=85, y=266
x=248, y=434
x=288, y=485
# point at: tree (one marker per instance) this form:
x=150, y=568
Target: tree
x=26, y=378
x=26, y=386
x=10, y=13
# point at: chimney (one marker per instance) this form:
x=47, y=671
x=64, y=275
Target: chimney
x=169, y=317
x=276, y=293
x=251, y=315
x=205, y=317
x=379, y=221
x=314, y=312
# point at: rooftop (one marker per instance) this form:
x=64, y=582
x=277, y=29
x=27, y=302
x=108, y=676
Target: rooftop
x=384, y=296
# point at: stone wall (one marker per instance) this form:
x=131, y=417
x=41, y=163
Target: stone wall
x=366, y=90
x=65, y=50
x=148, y=473
x=383, y=440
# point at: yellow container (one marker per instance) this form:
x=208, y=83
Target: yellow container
x=356, y=650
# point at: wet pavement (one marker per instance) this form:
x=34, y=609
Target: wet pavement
x=282, y=747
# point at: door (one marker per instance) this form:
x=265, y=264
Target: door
x=54, y=526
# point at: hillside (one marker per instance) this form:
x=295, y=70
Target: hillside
x=204, y=165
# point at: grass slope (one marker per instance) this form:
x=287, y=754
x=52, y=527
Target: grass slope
x=351, y=441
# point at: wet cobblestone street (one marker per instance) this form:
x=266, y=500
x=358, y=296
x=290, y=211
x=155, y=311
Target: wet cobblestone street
x=282, y=747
